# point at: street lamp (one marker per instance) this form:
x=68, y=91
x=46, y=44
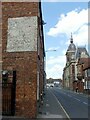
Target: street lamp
x=50, y=50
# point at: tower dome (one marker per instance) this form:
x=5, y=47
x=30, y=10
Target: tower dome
x=71, y=47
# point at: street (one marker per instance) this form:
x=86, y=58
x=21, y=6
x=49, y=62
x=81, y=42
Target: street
x=74, y=104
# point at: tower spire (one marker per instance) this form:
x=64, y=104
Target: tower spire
x=71, y=38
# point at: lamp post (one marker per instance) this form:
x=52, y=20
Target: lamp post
x=52, y=50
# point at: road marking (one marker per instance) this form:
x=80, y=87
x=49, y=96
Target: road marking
x=85, y=103
x=80, y=100
x=61, y=106
x=69, y=95
x=47, y=105
x=77, y=99
x=59, y=88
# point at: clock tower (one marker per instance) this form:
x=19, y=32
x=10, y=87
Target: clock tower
x=70, y=54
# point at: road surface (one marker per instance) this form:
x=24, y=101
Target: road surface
x=75, y=104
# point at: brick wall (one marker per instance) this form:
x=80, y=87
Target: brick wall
x=0, y=37
x=25, y=63
x=0, y=56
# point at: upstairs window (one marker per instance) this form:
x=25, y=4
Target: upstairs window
x=89, y=72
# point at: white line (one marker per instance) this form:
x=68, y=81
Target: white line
x=82, y=102
x=77, y=99
x=85, y=103
x=61, y=106
x=59, y=88
x=69, y=95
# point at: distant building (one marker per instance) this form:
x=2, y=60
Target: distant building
x=70, y=70
x=23, y=58
x=52, y=80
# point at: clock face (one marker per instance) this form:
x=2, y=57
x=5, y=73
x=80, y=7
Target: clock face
x=72, y=57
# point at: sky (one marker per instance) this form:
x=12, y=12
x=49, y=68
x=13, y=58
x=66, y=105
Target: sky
x=62, y=19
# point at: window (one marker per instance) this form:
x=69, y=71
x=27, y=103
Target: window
x=73, y=69
x=88, y=72
x=85, y=73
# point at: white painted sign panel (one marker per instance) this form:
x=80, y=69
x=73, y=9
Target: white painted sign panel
x=22, y=34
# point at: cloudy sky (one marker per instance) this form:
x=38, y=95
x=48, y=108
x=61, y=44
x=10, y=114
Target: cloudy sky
x=61, y=19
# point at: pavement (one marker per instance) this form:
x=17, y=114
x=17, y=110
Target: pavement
x=51, y=107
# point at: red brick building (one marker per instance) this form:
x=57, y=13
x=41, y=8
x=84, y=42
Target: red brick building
x=83, y=74
x=23, y=52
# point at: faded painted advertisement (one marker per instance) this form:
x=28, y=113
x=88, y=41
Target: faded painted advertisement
x=22, y=34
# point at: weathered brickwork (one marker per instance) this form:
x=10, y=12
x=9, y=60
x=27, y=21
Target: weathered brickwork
x=0, y=56
x=25, y=62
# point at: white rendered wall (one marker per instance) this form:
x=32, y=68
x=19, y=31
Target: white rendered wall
x=22, y=34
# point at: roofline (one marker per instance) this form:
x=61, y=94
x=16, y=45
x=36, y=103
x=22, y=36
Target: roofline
x=42, y=26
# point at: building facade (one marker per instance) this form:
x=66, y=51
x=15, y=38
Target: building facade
x=23, y=55
x=84, y=74
x=70, y=71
